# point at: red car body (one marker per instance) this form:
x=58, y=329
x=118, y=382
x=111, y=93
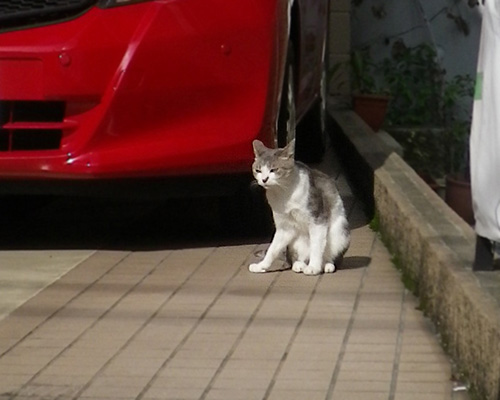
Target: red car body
x=93, y=90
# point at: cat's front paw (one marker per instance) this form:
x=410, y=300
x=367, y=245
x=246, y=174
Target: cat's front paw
x=312, y=270
x=257, y=267
x=330, y=268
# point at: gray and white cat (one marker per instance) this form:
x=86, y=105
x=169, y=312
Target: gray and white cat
x=307, y=209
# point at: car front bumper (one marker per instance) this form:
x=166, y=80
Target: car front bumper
x=159, y=88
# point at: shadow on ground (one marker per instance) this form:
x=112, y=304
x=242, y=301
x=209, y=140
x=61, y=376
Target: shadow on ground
x=36, y=222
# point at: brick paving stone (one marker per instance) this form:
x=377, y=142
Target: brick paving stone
x=356, y=395
x=302, y=384
x=423, y=387
x=425, y=367
x=363, y=366
x=421, y=396
x=440, y=375
x=365, y=375
x=10, y=382
x=155, y=393
x=236, y=394
x=289, y=394
x=112, y=387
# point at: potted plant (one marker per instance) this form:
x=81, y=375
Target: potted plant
x=369, y=101
x=458, y=189
x=414, y=118
x=427, y=117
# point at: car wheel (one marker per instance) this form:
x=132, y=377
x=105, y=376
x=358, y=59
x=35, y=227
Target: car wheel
x=286, y=123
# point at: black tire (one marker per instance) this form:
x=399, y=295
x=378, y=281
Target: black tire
x=286, y=124
x=311, y=139
x=311, y=131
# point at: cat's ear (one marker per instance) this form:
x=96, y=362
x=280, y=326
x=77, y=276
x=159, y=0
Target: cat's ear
x=258, y=148
x=289, y=150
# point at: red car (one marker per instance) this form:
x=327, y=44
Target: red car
x=96, y=91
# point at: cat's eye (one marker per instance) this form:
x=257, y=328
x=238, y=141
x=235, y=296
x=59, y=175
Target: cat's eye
x=257, y=170
x=272, y=170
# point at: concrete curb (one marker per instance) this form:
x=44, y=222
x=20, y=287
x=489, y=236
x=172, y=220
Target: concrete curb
x=434, y=248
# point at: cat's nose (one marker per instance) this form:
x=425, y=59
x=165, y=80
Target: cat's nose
x=264, y=180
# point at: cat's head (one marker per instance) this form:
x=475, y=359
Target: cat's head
x=272, y=167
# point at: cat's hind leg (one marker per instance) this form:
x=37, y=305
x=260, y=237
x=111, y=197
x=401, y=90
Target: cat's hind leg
x=318, y=241
x=330, y=268
x=338, y=243
x=299, y=253
x=298, y=266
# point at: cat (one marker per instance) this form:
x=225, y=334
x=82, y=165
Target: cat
x=308, y=212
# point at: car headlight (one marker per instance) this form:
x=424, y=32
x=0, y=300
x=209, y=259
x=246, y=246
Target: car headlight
x=115, y=3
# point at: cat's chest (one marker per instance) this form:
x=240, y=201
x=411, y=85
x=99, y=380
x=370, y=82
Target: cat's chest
x=292, y=207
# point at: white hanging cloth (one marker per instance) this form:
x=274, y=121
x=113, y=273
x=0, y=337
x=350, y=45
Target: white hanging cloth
x=485, y=131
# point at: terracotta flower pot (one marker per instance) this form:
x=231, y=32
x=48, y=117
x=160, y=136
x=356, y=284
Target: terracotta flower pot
x=371, y=108
x=458, y=196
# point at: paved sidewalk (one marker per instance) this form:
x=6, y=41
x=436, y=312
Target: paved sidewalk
x=195, y=324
